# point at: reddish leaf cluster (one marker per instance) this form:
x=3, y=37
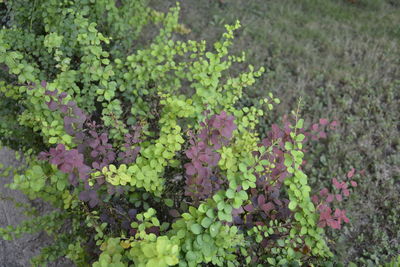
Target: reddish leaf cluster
x=67, y=161
x=265, y=206
x=74, y=117
x=327, y=218
x=131, y=148
x=201, y=173
x=318, y=130
x=93, y=149
x=91, y=196
x=267, y=202
x=101, y=151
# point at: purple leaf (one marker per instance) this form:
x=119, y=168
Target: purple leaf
x=174, y=213
x=249, y=207
x=260, y=200
x=132, y=213
x=52, y=105
x=268, y=207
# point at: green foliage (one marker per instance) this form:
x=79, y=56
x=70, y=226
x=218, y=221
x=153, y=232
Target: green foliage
x=203, y=238
x=393, y=263
x=160, y=252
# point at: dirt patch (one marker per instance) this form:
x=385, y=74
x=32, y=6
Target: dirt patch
x=17, y=253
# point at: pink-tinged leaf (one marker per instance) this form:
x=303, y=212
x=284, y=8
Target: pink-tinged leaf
x=94, y=143
x=96, y=165
x=315, y=127
x=325, y=211
x=226, y=132
x=84, y=196
x=322, y=135
x=204, y=157
x=315, y=199
x=62, y=95
x=104, y=137
x=190, y=170
x=338, y=213
x=341, y=215
x=334, y=224
x=268, y=207
x=63, y=109
x=132, y=232
x=71, y=104
x=330, y=198
x=52, y=105
x=43, y=155
x=351, y=173
x=261, y=200
x=222, y=115
x=339, y=197
x=336, y=183
x=249, y=208
x=278, y=202
x=174, y=213
x=323, y=192
x=353, y=183
x=276, y=131
x=215, y=138
x=346, y=192
x=321, y=224
x=68, y=120
x=51, y=93
x=94, y=153
x=258, y=223
x=93, y=134
x=323, y=121
x=344, y=217
x=333, y=125
x=264, y=243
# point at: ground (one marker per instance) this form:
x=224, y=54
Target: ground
x=17, y=253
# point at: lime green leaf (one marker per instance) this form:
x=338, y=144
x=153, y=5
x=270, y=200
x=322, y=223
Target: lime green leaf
x=206, y=222
x=169, y=202
x=53, y=140
x=230, y=193
x=196, y=229
x=214, y=229
x=293, y=205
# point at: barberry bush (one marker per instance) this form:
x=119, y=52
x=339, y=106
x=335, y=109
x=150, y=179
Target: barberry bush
x=138, y=140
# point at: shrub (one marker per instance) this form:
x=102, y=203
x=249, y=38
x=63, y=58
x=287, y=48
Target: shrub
x=394, y=262
x=142, y=147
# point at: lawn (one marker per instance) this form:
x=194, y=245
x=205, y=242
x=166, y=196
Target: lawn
x=342, y=58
